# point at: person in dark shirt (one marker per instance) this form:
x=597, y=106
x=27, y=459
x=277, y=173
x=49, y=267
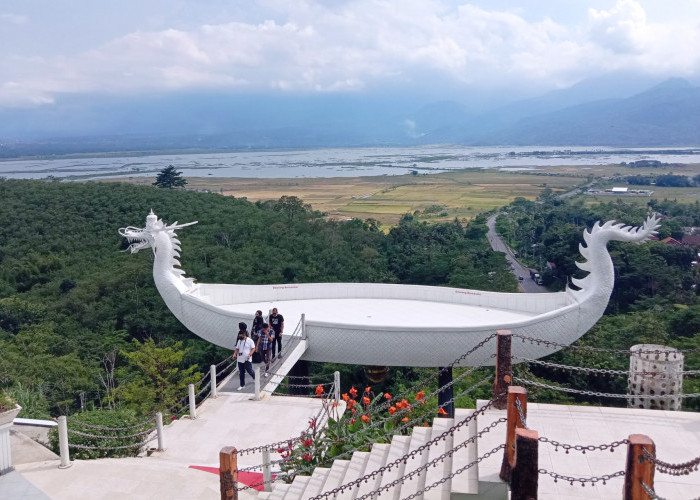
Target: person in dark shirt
x=277, y=323
x=264, y=346
x=256, y=328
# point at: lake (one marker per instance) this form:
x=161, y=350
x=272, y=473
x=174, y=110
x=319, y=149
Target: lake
x=340, y=162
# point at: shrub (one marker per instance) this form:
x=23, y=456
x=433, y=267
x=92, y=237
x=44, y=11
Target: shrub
x=121, y=434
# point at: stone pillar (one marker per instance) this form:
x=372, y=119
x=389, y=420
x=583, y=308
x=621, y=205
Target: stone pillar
x=6, y=419
x=446, y=393
x=655, y=376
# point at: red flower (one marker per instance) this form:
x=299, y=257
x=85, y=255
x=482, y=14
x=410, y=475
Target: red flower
x=351, y=403
x=387, y=395
x=307, y=442
x=280, y=450
x=365, y=418
x=312, y=423
x=420, y=396
x=365, y=400
x=367, y=389
x=306, y=457
x=441, y=411
x=353, y=410
x=319, y=390
x=353, y=392
x=352, y=421
x=346, y=397
x=392, y=409
x=425, y=424
x=173, y=418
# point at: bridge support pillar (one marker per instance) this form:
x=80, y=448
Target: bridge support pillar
x=446, y=394
x=300, y=369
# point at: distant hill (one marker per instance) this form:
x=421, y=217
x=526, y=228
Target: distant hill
x=665, y=115
x=619, y=110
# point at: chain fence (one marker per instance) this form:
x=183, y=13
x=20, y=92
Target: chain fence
x=582, y=480
x=681, y=469
x=583, y=448
x=603, y=394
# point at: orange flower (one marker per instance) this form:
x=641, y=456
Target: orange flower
x=352, y=421
x=392, y=409
x=353, y=410
x=365, y=400
x=367, y=389
x=399, y=405
x=425, y=424
x=420, y=396
x=387, y=395
x=353, y=392
x=346, y=397
x=365, y=418
x=404, y=419
x=441, y=411
x=319, y=390
x=351, y=403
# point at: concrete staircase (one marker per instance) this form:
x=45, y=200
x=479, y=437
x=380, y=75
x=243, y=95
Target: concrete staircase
x=342, y=472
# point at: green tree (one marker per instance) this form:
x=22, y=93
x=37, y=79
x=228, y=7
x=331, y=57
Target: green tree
x=169, y=178
x=292, y=206
x=158, y=379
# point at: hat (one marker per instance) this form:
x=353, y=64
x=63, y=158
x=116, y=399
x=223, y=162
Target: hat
x=242, y=326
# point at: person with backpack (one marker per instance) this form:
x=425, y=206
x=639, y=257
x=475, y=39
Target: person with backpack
x=255, y=331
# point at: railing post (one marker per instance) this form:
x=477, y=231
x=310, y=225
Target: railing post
x=514, y=393
x=336, y=386
x=256, y=370
x=63, y=442
x=446, y=393
x=193, y=403
x=524, y=478
x=504, y=369
x=267, y=473
x=228, y=473
x=303, y=325
x=212, y=381
x=160, y=431
x=638, y=468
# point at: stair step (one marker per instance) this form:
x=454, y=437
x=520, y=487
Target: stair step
x=377, y=459
x=279, y=490
x=264, y=495
x=466, y=483
x=355, y=469
x=336, y=475
x=399, y=447
x=443, y=468
x=318, y=478
x=297, y=487
x=420, y=436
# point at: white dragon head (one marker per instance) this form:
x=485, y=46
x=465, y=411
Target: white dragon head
x=146, y=237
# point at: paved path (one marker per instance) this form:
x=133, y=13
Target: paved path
x=232, y=419
x=498, y=245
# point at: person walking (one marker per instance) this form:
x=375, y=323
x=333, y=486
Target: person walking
x=264, y=346
x=255, y=330
x=244, y=351
x=277, y=324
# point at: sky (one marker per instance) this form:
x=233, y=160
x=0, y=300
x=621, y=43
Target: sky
x=50, y=49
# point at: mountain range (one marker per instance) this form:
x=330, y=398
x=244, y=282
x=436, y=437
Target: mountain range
x=617, y=111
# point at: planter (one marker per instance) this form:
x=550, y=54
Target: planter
x=6, y=419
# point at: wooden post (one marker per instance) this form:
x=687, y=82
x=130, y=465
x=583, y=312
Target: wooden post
x=519, y=393
x=524, y=477
x=504, y=369
x=228, y=473
x=638, y=468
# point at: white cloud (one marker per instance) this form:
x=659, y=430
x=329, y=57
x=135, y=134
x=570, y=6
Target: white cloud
x=11, y=18
x=358, y=45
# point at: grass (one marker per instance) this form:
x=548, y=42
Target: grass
x=463, y=193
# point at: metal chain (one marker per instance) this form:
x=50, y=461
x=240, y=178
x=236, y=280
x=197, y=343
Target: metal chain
x=681, y=469
x=583, y=448
x=101, y=428
x=549, y=343
x=583, y=480
x=110, y=448
x=603, y=394
x=96, y=436
x=458, y=471
x=523, y=420
x=603, y=371
x=651, y=492
x=413, y=453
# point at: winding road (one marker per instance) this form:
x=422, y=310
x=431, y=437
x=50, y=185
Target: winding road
x=526, y=285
